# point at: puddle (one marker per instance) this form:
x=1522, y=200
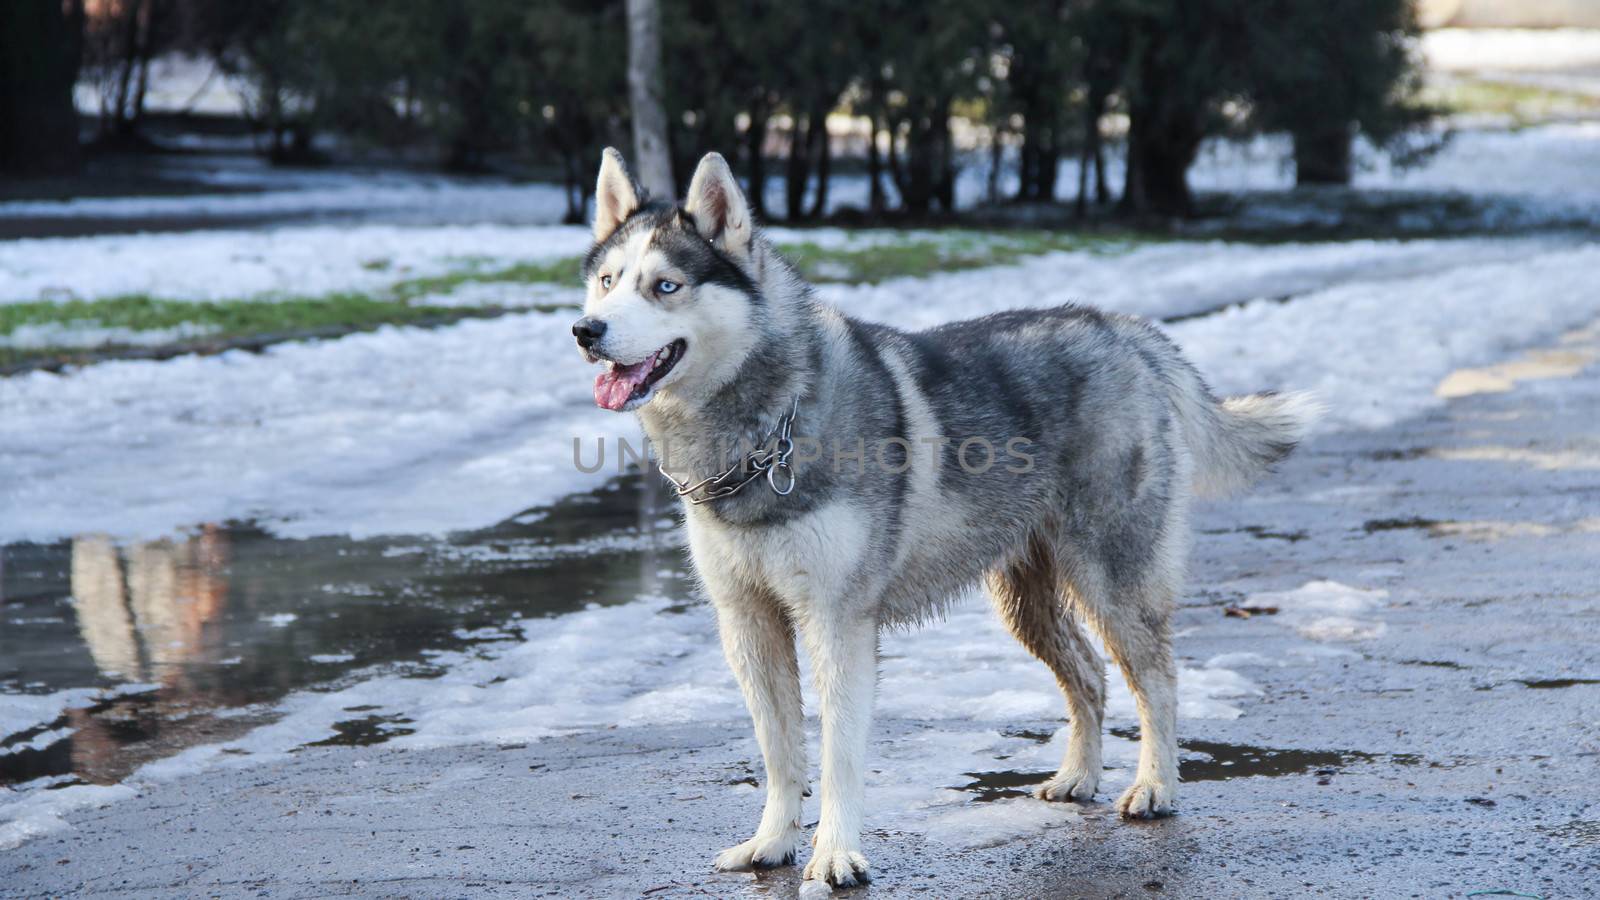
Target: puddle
x=1431, y=663
x=1482, y=530
x=1372, y=526
x=1201, y=761
x=1261, y=532
x=218, y=625
x=366, y=731
x=1546, y=684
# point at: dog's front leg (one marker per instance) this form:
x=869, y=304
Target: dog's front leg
x=758, y=640
x=844, y=661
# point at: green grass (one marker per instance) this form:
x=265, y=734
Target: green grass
x=406, y=301
x=1525, y=104
x=951, y=251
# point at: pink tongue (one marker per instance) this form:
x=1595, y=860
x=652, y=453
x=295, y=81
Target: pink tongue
x=613, y=387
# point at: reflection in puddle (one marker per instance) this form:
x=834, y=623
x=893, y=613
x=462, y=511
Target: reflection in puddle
x=192, y=639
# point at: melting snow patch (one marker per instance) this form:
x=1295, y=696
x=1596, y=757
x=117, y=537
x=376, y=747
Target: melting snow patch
x=1327, y=610
x=331, y=657
x=990, y=824
x=20, y=712
x=41, y=812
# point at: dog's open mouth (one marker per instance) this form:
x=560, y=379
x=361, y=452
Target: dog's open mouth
x=621, y=387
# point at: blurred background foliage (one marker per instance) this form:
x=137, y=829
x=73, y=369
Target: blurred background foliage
x=907, y=91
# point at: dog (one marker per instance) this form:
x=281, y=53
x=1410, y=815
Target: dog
x=832, y=472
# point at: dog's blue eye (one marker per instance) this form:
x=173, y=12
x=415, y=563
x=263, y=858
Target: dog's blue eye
x=605, y=282
x=667, y=287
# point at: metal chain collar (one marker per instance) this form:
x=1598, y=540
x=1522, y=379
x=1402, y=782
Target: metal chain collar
x=773, y=462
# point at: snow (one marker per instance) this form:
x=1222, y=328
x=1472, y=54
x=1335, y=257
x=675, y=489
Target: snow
x=90, y=334
x=242, y=264
x=1327, y=610
x=40, y=812
x=479, y=418
x=1511, y=49
x=21, y=712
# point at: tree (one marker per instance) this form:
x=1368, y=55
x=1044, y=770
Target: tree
x=1324, y=72
x=1040, y=60
x=1181, y=61
x=652, y=156
x=38, y=67
x=931, y=56
x=573, y=92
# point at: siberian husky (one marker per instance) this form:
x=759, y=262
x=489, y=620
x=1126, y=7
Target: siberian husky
x=840, y=477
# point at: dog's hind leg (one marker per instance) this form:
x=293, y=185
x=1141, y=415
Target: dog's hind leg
x=759, y=642
x=1129, y=604
x=1025, y=593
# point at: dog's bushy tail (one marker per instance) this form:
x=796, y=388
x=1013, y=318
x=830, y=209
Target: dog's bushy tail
x=1236, y=440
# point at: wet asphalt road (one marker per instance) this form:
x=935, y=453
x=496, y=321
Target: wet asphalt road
x=1453, y=748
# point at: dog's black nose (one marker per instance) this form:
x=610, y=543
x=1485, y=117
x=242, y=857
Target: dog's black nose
x=588, y=330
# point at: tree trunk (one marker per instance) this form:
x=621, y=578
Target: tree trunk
x=798, y=169
x=944, y=146
x=996, y=150
x=38, y=66
x=1162, y=144
x=916, y=194
x=756, y=149
x=876, y=202
x=1102, y=188
x=652, y=155
x=130, y=58
x=1080, y=206
x=1322, y=157
x=897, y=170
x=1049, y=169
x=824, y=156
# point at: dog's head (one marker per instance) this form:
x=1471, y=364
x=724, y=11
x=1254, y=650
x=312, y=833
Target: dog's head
x=670, y=307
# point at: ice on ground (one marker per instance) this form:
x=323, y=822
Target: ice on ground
x=1327, y=610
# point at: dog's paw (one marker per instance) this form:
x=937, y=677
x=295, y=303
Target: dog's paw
x=1148, y=800
x=761, y=852
x=840, y=868
x=1074, y=785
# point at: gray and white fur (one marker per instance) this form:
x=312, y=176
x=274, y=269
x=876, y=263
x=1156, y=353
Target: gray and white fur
x=1122, y=432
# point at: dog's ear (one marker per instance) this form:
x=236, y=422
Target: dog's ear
x=615, y=195
x=720, y=212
